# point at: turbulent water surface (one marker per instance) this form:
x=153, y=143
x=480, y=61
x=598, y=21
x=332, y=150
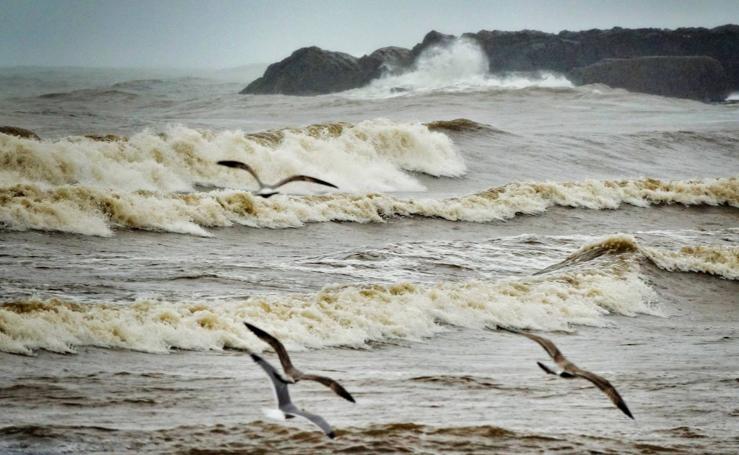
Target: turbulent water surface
x=129, y=261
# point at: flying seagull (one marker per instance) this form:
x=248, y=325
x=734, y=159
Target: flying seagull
x=570, y=370
x=266, y=190
x=292, y=374
x=284, y=404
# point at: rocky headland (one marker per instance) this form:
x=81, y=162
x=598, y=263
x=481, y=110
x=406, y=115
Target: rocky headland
x=647, y=60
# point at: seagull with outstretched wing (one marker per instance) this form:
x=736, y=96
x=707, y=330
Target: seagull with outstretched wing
x=292, y=374
x=284, y=403
x=570, y=370
x=267, y=190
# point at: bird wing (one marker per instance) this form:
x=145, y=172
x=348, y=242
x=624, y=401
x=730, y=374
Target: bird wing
x=243, y=166
x=545, y=343
x=302, y=178
x=315, y=419
x=287, y=365
x=331, y=384
x=606, y=387
x=546, y=368
x=279, y=386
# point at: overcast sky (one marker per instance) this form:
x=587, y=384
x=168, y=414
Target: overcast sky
x=227, y=33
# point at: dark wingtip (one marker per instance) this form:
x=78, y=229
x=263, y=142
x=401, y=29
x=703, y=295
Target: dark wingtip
x=626, y=411
x=230, y=163
x=254, y=328
x=331, y=435
x=254, y=357
x=546, y=369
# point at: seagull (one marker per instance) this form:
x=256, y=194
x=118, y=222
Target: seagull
x=270, y=190
x=292, y=374
x=570, y=370
x=285, y=406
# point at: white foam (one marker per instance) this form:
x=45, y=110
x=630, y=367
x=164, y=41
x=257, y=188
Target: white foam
x=335, y=316
x=457, y=66
x=35, y=207
x=722, y=261
x=370, y=156
x=714, y=260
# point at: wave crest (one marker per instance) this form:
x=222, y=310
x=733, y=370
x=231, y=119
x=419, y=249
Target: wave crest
x=335, y=316
x=372, y=155
x=721, y=261
x=93, y=211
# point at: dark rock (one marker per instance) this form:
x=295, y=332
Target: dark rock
x=19, y=132
x=529, y=50
x=311, y=71
x=386, y=60
x=432, y=38
x=699, y=78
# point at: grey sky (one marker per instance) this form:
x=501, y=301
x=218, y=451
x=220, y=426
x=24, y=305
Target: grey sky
x=221, y=33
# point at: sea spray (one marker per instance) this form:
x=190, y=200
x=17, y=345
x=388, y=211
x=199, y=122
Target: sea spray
x=458, y=66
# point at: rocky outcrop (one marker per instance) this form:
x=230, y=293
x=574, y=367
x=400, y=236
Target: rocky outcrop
x=313, y=70
x=432, y=38
x=19, y=132
x=310, y=71
x=531, y=50
x=698, y=78
x=391, y=60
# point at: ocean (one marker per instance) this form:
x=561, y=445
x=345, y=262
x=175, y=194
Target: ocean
x=127, y=265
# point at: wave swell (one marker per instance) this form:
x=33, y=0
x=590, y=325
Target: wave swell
x=95, y=211
x=373, y=155
x=335, y=316
x=720, y=261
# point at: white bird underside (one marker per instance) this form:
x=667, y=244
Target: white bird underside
x=285, y=406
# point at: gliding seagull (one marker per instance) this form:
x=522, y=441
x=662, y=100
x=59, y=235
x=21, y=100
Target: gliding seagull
x=284, y=404
x=570, y=370
x=292, y=374
x=270, y=190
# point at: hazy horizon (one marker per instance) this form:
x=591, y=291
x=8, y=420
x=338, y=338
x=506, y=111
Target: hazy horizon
x=230, y=34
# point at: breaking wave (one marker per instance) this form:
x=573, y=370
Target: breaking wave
x=721, y=261
x=458, y=66
x=336, y=316
x=96, y=211
x=373, y=155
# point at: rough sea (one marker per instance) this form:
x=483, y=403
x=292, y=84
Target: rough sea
x=127, y=265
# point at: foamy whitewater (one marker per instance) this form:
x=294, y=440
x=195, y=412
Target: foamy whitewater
x=461, y=66
x=466, y=200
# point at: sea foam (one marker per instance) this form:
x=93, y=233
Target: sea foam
x=96, y=211
x=335, y=316
x=458, y=66
x=372, y=155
